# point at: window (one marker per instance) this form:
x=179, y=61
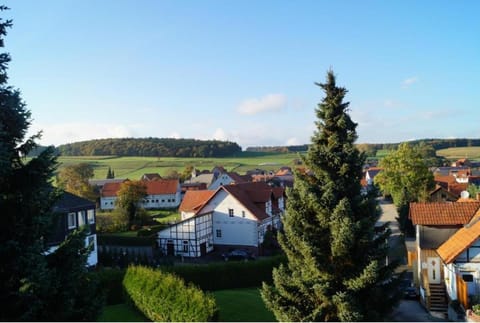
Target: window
x=91, y=216
x=467, y=278
x=185, y=246
x=219, y=233
x=81, y=218
x=91, y=242
x=72, y=220
x=243, y=214
x=230, y=212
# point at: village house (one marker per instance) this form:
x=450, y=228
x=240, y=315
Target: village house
x=435, y=224
x=74, y=213
x=232, y=216
x=161, y=194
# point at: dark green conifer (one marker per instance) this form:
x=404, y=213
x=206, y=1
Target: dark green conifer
x=336, y=263
x=32, y=285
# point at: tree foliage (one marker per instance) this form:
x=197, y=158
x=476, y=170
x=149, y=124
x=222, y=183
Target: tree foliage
x=404, y=172
x=151, y=147
x=336, y=264
x=30, y=282
x=74, y=179
x=128, y=199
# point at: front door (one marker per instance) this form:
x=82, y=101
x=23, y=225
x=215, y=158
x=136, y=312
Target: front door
x=433, y=268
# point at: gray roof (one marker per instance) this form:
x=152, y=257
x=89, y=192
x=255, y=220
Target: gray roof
x=203, y=178
x=432, y=238
x=101, y=182
x=70, y=202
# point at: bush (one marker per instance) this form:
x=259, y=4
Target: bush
x=228, y=275
x=145, y=232
x=114, y=221
x=164, y=297
x=111, y=284
x=114, y=240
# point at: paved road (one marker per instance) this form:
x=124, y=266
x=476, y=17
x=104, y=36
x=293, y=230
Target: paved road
x=407, y=310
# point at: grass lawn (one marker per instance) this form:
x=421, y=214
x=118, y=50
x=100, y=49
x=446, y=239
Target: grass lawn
x=121, y=313
x=242, y=305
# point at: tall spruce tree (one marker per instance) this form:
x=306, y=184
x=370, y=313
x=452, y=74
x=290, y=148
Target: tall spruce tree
x=29, y=279
x=336, y=263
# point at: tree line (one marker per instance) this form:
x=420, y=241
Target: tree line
x=151, y=147
x=371, y=149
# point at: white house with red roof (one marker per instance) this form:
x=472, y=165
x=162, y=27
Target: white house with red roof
x=233, y=216
x=161, y=194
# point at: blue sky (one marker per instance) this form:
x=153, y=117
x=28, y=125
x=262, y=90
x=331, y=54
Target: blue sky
x=244, y=70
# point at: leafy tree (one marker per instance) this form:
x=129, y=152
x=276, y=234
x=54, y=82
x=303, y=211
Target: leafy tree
x=473, y=190
x=172, y=174
x=405, y=176
x=128, y=199
x=28, y=279
x=336, y=264
x=74, y=179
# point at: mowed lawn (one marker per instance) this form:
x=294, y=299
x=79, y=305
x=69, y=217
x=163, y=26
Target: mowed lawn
x=235, y=305
x=135, y=167
x=242, y=305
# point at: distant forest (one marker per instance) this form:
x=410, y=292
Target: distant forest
x=151, y=147
x=371, y=149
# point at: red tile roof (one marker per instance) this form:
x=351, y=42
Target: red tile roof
x=252, y=195
x=460, y=240
x=110, y=189
x=164, y=186
x=193, y=200
x=442, y=213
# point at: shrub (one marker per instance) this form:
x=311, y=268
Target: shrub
x=112, y=221
x=114, y=240
x=164, y=297
x=111, y=284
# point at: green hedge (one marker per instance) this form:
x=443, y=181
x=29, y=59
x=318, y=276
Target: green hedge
x=163, y=297
x=217, y=276
x=114, y=240
x=111, y=282
x=151, y=230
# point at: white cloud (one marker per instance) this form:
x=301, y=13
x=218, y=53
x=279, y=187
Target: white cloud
x=220, y=134
x=408, y=82
x=269, y=102
x=292, y=141
x=174, y=135
x=58, y=134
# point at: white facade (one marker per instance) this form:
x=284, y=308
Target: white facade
x=160, y=201
x=467, y=264
x=222, y=179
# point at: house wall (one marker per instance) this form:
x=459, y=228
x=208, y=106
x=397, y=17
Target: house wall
x=223, y=179
x=159, y=201
x=187, y=237
x=107, y=203
x=241, y=229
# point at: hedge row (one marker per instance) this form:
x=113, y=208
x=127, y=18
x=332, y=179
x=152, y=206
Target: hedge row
x=114, y=240
x=163, y=297
x=217, y=276
x=111, y=283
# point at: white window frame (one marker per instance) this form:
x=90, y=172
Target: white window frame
x=91, y=241
x=72, y=216
x=219, y=233
x=81, y=218
x=231, y=213
x=91, y=216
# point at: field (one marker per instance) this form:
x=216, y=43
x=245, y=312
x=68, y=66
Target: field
x=135, y=167
x=472, y=153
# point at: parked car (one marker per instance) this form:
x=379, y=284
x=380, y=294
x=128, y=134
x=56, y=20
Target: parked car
x=409, y=290
x=238, y=254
